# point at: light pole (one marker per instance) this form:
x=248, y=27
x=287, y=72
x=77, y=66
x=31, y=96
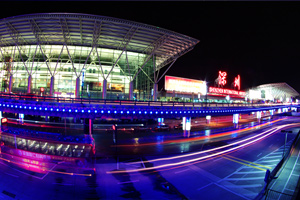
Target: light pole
x=115, y=139
x=284, y=131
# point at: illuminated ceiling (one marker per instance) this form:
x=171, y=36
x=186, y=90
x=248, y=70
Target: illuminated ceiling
x=95, y=31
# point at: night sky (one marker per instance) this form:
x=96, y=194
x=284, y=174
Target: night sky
x=258, y=40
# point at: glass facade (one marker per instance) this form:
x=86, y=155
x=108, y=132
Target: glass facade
x=73, y=55
x=65, y=64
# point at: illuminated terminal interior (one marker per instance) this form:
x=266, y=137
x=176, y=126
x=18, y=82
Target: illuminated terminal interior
x=65, y=72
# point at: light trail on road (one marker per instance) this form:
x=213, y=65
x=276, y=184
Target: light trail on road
x=198, y=138
x=214, y=152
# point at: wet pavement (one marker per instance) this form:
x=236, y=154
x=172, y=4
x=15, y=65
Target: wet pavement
x=200, y=180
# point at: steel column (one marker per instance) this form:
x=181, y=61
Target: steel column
x=155, y=92
x=10, y=83
x=131, y=90
x=29, y=85
x=52, y=86
x=104, y=89
x=77, y=88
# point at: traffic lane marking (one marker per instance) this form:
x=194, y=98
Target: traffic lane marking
x=252, y=172
x=177, y=172
x=66, y=184
x=133, y=181
x=11, y=175
x=247, y=163
x=258, y=154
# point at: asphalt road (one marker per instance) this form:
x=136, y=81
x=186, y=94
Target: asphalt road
x=236, y=174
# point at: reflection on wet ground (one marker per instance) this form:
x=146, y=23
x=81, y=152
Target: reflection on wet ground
x=89, y=170
x=38, y=150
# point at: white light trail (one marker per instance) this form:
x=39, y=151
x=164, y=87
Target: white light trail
x=189, y=161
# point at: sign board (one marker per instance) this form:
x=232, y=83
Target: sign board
x=237, y=82
x=222, y=78
x=185, y=85
x=226, y=91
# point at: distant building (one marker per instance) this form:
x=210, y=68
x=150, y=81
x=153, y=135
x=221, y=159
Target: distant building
x=275, y=92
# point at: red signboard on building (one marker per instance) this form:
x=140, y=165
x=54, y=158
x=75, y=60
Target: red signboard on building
x=222, y=78
x=185, y=85
x=226, y=91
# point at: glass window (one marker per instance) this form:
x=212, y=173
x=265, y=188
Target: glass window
x=44, y=147
x=65, y=150
x=21, y=143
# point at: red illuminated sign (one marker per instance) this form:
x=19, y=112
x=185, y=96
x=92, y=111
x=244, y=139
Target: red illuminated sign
x=237, y=82
x=42, y=89
x=222, y=78
x=226, y=91
x=184, y=85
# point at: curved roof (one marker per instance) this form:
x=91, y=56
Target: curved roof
x=279, y=89
x=93, y=30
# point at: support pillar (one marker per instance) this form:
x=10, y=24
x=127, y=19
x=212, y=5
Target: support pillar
x=21, y=118
x=155, y=92
x=235, y=120
x=208, y=118
x=0, y=118
x=160, y=121
x=258, y=115
x=77, y=88
x=29, y=84
x=131, y=90
x=10, y=83
x=51, y=86
x=186, y=126
x=271, y=113
x=104, y=89
x=88, y=126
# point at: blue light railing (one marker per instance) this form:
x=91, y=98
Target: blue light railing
x=94, y=108
x=132, y=102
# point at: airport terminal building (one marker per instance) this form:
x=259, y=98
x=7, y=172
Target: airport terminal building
x=81, y=55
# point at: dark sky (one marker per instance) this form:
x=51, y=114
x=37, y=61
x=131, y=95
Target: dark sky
x=258, y=40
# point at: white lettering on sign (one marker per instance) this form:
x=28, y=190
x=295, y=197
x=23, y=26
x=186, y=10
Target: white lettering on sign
x=226, y=91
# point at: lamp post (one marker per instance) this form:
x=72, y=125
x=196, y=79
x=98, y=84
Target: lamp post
x=115, y=139
x=284, y=131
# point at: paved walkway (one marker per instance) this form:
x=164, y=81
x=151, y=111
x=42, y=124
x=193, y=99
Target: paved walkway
x=286, y=186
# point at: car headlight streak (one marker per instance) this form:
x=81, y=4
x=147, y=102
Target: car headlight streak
x=243, y=143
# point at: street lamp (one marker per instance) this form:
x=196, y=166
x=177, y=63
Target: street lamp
x=115, y=139
x=284, y=131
